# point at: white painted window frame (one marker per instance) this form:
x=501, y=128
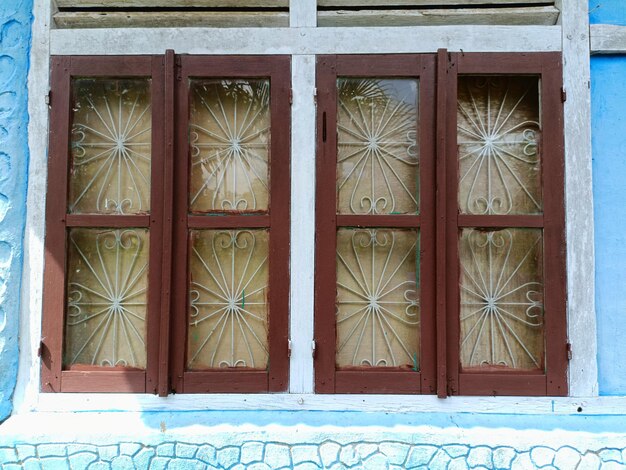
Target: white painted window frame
x=304, y=41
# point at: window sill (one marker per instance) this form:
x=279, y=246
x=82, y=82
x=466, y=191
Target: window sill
x=78, y=402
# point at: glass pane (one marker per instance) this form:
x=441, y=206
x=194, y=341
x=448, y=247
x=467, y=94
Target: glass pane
x=111, y=146
x=377, y=147
x=499, y=130
x=229, y=138
x=502, y=299
x=107, y=297
x=378, y=313
x=228, y=299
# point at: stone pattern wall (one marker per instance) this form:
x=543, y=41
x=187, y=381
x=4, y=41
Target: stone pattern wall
x=15, y=24
x=256, y=455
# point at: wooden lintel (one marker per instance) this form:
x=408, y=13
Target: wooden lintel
x=170, y=19
x=488, y=16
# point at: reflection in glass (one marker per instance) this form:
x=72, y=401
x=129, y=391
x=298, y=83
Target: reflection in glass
x=378, y=312
x=229, y=138
x=499, y=131
x=106, y=297
x=228, y=304
x=377, y=147
x=502, y=298
x=111, y=146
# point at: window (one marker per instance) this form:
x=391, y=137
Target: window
x=167, y=243
x=440, y=261
x=439, y=225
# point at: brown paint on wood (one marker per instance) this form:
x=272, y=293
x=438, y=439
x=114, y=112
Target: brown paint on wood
x=275, y=379
x=226, y=381
x=374, y=380
x=53, y=377
x=104, y=381
x=325, y=225
x=108, y=221
x=503, y=384
x=54, y=273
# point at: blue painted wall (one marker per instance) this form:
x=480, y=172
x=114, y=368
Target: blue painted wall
x=15, y=31
x=608, y=103
x=607, y=11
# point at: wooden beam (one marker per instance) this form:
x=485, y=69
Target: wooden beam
x=398, y=40
x=581, y=310
x=172, y=3
x=168, y=19
x=488, y=16
x=422, y=3
x=608, y=39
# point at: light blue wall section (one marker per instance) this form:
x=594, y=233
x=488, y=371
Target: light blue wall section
x=15, y=24
x=607, y=11
x=608, y=101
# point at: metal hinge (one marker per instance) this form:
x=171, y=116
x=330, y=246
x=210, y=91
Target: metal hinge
x=288, y=348
x=313, y=348
x=291, y=96
x=563, y=95
x=49, y=97
x=41, y=346
x=568, y=349
x=315, y=95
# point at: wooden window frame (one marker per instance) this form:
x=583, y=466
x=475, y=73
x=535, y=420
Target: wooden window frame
x=440, y=224
x=275, y=378
x=390, y=380
x=167, y=223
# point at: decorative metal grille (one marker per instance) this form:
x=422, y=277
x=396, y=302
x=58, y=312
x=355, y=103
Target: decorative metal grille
x=229, y=134
x=502, y=298
x=378, y=153
x=378, y=312
x=498, y=137
x=228, y=305
x=111, y=146
x=107, y=297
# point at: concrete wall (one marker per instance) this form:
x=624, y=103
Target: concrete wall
x=15, y=27
x=608, y=101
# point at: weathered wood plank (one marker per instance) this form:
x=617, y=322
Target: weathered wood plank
x=422, y=3
x=170, y=19
x=415, y=39
x=488, y=16
x=171, y=3
x=608, y=39
x=277, y=3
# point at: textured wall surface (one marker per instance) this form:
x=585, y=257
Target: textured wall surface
x=311, y=440
x=256, y=455
x=15, y=24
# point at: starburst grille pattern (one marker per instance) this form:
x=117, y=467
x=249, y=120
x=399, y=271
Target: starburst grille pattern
x=107, y=297
x=498, y=145
x=229, y=134
x=502, y=298
x=378, y=313
x=111, y=146
x=377, y=150
x=228, y=305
